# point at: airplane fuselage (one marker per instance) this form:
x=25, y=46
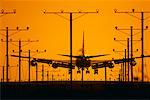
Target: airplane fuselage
x=83, y=62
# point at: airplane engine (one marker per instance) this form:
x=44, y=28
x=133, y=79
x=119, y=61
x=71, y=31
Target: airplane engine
x=55, y=65
x=111, y=65
x=33, y=63
x=133, y=63
x=102, y=65
x=108, y=64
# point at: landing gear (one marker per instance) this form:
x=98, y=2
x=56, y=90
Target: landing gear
x=87, y=71
x=78, y=72
x=69, y=71
x=96, y=71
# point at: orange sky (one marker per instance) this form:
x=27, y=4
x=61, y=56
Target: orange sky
x=52, y=32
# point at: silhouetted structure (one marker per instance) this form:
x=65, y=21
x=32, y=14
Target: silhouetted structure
x=83, y=90
x=20, y=45
x=70, y=13
x=142, y=33
x=7, y=46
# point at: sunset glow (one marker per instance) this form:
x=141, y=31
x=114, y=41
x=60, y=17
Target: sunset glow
x=52, y=31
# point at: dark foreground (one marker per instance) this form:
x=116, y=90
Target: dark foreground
x=62, y=89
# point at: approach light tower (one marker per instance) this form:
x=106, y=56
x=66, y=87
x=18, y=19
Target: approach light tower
x=71, y=19
x=20, y=45
x=142, y=31
x=2, y=13
x=131, y=29
x=7, y=46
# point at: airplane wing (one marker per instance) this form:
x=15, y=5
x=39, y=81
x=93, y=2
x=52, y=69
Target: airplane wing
x=96, y=56
x=143, y=56
x=41, y=60
x=69, y=55
x=117, y=61
x=20, y=56
x=110, y=63
x=82, y=56
x=55, y=63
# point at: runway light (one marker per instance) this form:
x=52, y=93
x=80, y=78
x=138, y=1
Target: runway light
x=44, y=50
x=114, y=39
x=2, y=40
x=17, y=28
x=115, y=10
x=79, y=11
x=113, y=50
x=2, y=11
x=116, y=27
x=44, y=11
x=14, y=11
x=97, y=10
x=61, y=11
x=146, y=27
x=27, y=28
x=133, y=10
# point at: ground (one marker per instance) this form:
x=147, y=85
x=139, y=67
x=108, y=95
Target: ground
x=79, y=89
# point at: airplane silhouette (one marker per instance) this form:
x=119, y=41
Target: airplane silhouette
x=82, y=61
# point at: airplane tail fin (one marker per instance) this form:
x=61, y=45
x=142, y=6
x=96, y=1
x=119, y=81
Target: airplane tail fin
x=83, y=52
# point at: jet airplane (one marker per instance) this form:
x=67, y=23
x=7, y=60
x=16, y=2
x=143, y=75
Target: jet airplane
x=82, y=61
